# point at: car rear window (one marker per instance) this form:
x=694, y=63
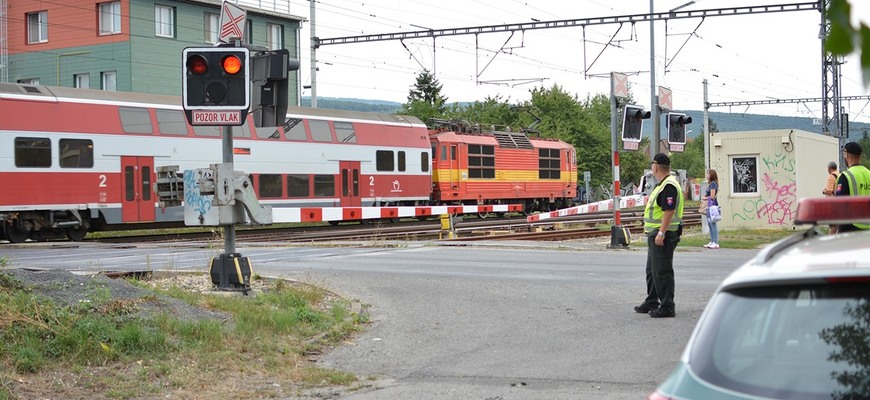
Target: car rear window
x=806, y=342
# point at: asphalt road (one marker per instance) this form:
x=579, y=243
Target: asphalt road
x=493, y=322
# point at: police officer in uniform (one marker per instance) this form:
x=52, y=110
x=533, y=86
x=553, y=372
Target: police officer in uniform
x=853, y=181
x=662, y=219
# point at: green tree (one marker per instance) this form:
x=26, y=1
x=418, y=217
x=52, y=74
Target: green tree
x=425, y=100
x=845, y=39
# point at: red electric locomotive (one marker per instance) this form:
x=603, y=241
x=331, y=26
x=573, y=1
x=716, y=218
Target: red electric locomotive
x=499, y=167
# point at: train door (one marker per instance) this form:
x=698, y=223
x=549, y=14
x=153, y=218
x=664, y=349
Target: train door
x=137, y=196
x=349, y=183
x=454, y=167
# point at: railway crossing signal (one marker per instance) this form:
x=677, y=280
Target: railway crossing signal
x=677, y=130
x=216, y=87
x=632, y=125
x=271, y=84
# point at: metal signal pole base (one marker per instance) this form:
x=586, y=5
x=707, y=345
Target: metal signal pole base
x=231, y=272
x=620, y=237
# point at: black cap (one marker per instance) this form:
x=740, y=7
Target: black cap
x=662, y=159
x=852, y=148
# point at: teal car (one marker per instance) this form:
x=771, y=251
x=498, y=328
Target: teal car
x=792, y=323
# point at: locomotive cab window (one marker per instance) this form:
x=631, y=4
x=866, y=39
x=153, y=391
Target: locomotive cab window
x=481, y=161
x=76, y=153
x=402, y=161
x=344, y=132
x=384, y=160
x=135, y=120
x=32, y=152
x=548, y=164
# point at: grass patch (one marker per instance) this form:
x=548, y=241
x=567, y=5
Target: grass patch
x=106, y=346
x=737, y=238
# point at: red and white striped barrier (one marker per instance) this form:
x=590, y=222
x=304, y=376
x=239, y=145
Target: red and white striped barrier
x=604, y=205
x=326, y=214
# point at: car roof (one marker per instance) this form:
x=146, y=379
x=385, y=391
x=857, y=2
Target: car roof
x=806, y=257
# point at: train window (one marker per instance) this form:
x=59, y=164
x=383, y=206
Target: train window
x=76, y=153
x=129, y=183
x=402, y=161
x=344, y=132
x=548, y=164
x=481, y=161
x=294, y=129
x=171, y=122
x=320, y=130
x=32, y=152
x=268, y=132
x=297, y=186
x=424, y=161
x=324, y=185
x=384, y=160
x=444, y=153
x=355, y=182
x=135, y=120
x=344, y=183
x=200, y=130
x=270, y=185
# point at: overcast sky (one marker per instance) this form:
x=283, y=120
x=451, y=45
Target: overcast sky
x=748, y=57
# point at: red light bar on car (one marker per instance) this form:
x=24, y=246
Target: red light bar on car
x=833, y=210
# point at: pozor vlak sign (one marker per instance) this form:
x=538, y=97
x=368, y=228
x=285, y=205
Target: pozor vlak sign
x=216, y=86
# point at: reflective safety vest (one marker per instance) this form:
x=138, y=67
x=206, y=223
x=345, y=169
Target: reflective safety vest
x=858, y=177
x=653, y=213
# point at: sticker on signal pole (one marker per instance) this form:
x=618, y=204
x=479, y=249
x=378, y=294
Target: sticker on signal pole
x=209, y=117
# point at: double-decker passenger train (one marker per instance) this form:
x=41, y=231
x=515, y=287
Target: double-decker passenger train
x=78, y=160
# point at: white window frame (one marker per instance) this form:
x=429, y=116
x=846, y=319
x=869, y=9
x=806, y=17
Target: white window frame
x=29, y=81
x=275, y=36
x=110, y=18
x=164, y=21
x=109, y=80
x=211, y=25
x=82, y=81
x=743, y=167
x=37, y=27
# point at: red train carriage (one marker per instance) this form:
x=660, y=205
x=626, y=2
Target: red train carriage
x=501, y=168
x=74, y=160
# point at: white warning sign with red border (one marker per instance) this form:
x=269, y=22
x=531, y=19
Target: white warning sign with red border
x=232, y=22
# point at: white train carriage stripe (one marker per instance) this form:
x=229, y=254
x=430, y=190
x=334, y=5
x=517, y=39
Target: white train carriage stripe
x=604, y=205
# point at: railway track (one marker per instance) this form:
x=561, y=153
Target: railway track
x=471, y=229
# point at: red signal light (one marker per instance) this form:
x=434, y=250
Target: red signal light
x=231, y=64
x=197, y=64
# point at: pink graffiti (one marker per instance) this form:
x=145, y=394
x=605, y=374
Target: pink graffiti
x=781, y=210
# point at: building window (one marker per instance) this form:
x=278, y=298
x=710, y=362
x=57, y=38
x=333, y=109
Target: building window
x=249, y=32
x=109, y=80
x=211, y=22
x=481, y=161
x=37, y=27
x=110, y=18
x=82, y=81
x=164, y=21
x=275, y=36
x=744, y=175
x=29, y=81
x=548, y=164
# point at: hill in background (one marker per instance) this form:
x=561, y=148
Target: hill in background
x=725, y=122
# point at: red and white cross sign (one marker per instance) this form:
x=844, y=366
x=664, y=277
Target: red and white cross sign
x=232, y=22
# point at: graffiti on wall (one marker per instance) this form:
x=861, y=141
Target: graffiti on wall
x=777, y=188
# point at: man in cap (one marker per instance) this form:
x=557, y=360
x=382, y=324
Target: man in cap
x=854, y=181
x=662, y=223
